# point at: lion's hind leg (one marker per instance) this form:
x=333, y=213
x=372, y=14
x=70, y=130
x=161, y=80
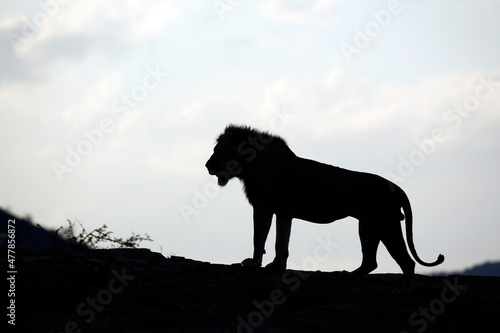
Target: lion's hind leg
x=392, y=238
x=370, y=240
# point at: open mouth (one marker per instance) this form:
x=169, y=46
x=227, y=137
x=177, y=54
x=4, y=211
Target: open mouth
x=222, y=181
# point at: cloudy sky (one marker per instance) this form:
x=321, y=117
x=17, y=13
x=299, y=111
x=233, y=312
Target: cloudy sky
x=109, y=111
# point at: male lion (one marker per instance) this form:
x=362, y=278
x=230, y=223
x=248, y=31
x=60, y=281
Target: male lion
x=276, y=181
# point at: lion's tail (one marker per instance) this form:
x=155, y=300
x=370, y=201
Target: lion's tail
x=405, y=203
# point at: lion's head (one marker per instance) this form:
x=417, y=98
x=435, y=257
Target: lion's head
x=236, y=149
x=224, y=162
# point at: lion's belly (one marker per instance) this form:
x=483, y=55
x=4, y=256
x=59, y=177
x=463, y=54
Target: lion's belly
x=312, y=212
x=320, y=212
x=317, y=217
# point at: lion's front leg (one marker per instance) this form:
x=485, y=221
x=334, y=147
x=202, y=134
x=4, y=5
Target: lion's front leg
x=261, y=223
x=283, y=228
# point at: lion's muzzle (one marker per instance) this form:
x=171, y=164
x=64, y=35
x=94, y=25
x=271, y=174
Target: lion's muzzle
x=222, y=177
x=210, y=167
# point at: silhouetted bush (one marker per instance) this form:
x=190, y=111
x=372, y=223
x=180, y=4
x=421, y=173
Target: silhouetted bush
x=33, y=236
x=98, y=237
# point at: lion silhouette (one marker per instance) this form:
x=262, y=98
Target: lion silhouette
x=277, y=182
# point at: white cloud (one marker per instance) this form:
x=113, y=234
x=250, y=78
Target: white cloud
x=74, y=28
x=136, y=20
x=304, y=41
x=338, y=103
x=181, y=158
x=95, y=102
x=186, y=116
x=11, y=22
x=300, y=11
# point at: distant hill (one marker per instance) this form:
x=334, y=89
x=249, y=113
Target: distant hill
x=30, y=236
x=486, y=269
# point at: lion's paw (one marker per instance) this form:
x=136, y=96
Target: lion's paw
x=250, y=262
x=276, y=266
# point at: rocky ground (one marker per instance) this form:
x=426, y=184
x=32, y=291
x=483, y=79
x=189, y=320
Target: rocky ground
x=136, y=290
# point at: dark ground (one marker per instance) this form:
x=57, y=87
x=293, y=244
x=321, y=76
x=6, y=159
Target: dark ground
x=135, y=290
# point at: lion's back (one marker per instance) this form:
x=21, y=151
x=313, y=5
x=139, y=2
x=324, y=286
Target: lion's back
x=310, y=185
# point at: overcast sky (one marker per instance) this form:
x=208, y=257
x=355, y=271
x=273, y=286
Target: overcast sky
x=109, y=111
